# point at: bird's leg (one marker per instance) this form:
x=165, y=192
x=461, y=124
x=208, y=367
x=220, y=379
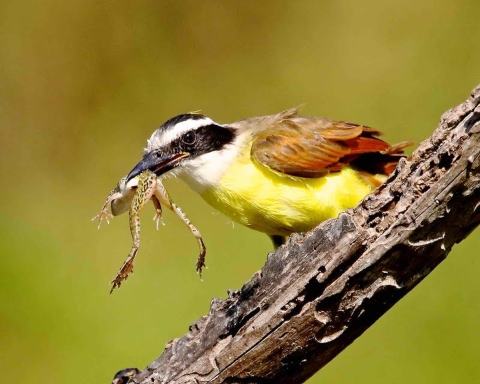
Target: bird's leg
x=277, y=240
x=143, y=193
x=164, y=198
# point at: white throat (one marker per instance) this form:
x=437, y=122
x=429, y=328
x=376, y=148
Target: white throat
x=207, y=170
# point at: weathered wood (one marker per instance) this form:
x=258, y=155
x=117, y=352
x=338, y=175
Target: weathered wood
x=322, y=290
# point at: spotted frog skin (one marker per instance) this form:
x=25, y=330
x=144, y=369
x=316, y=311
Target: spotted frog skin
x=137, y=193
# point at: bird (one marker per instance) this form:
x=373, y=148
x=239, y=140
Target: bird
x=277, y=174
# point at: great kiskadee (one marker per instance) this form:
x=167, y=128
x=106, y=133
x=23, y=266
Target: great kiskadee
x=277, y=174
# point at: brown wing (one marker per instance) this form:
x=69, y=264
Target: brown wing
x=312, y=147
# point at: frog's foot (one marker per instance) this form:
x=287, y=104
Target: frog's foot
x=158, y=209
x=103, y=215
x=124, y=272
x=158, y=218
x=201, y=262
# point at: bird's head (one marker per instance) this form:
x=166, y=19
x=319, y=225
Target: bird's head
x=190, y=144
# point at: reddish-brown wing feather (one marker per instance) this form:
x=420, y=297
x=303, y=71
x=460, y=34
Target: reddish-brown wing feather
x=312, y=147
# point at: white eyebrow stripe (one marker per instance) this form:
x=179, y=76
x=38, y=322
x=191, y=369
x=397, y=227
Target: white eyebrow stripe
x=161, y=137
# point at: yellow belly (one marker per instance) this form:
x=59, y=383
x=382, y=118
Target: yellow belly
x=277, y=205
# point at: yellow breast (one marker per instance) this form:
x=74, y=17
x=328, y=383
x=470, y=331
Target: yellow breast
x=254, y=196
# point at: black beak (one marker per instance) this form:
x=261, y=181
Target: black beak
x=157, y=163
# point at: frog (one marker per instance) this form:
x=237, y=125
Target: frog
x=133, y=196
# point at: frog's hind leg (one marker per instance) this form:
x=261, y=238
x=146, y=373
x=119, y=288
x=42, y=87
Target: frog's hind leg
x=144, y=192
x=163, y=196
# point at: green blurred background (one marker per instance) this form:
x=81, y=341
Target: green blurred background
x=83, y=84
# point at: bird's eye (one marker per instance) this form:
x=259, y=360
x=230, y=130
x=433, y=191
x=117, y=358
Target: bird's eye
x=189, y=138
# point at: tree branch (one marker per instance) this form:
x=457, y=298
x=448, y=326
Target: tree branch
x=322, y=290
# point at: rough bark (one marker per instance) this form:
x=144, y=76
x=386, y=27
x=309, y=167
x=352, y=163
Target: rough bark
x=322, y=290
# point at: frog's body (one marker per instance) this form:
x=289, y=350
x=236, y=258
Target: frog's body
x=136, y=193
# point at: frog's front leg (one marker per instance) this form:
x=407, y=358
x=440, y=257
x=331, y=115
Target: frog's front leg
x=164, y=198
x=143, y=193
x=104, y=214
x=158, y=208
